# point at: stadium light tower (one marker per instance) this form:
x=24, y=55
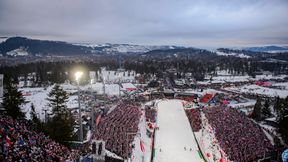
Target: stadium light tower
x=78, y=75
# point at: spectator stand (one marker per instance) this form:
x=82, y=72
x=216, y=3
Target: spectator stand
x=113, y=128
x=21, y=142
x=208, y=142
x=239, y=137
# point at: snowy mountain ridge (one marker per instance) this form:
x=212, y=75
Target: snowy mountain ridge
x=125, y=48
x=269, y=49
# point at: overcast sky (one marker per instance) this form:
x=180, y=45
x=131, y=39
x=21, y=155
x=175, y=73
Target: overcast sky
x=176, y=22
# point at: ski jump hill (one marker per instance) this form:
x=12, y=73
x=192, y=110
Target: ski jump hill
x=174, y=140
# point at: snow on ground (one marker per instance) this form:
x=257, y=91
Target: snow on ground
x=111, y=154
x=224, y=77
x=231, y=78
x=267, y=77
x=3, y=39
x=137, y=154
x=174, y=134
x=240, y=55
x=38, y=96
x=110, y=89
x=18, y=52
x=255, y=89
x=283, y=85
x=245, y=104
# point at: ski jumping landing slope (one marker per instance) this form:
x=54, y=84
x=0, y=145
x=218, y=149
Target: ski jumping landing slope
x=174, y=141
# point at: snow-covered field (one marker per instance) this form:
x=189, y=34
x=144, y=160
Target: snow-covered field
x=174, y=141
x=38, y=96
x=241, y=55
x=238, y=78
x=283, y=85
x=255, y=89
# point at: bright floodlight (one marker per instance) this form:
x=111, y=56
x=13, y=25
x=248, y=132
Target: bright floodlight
x=78, y=74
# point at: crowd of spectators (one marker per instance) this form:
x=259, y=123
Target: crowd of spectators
x=19, y=141
x=194, y=117
x=116, y=127
x=150, y=114
x=239, y=137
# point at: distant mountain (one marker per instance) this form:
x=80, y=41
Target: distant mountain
x=126, y=48
x=269, y=49
x=179, y=53
x=15, y=46
x=41, y=47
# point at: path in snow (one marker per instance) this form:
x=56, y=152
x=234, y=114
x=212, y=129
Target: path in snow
x=174, y=134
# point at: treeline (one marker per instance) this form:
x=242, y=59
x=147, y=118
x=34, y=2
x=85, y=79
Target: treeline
x=278, y=109
x=46, y=73
x=197, y=62
x=206, y=64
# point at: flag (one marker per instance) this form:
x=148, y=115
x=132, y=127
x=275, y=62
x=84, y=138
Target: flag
x=142, y=146
x=98, y=120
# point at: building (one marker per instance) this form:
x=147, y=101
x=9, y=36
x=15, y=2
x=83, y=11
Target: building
x=116, y=76
x=1, y=85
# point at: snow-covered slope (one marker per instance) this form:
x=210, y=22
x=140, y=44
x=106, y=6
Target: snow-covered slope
x=240, y=55
x=3, y=39
x=18, y=52
x=124, y=48
x=174, y=140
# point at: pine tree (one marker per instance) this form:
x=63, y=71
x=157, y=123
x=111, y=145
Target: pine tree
x=266, y=112
x=60, y=127
x=12, y=100
x=277, y=106
x=282, y=119
x=33, y=115
x=57, y=100
x=256, y=114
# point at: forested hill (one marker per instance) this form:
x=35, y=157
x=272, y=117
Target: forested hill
x=41, y=47
x=21, y=46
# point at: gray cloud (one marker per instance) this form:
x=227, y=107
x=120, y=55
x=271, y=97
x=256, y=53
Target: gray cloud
x=186, y=22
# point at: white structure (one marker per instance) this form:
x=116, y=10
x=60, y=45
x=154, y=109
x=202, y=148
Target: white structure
x=27, y=81
x=98, y=151
x=117, y=76
x=92, y=76
x=1, y=85
x=174, y=140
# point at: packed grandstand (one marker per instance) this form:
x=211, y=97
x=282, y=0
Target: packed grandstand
x=239, y=137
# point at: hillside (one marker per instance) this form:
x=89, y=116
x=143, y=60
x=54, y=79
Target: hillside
x=34, y=47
